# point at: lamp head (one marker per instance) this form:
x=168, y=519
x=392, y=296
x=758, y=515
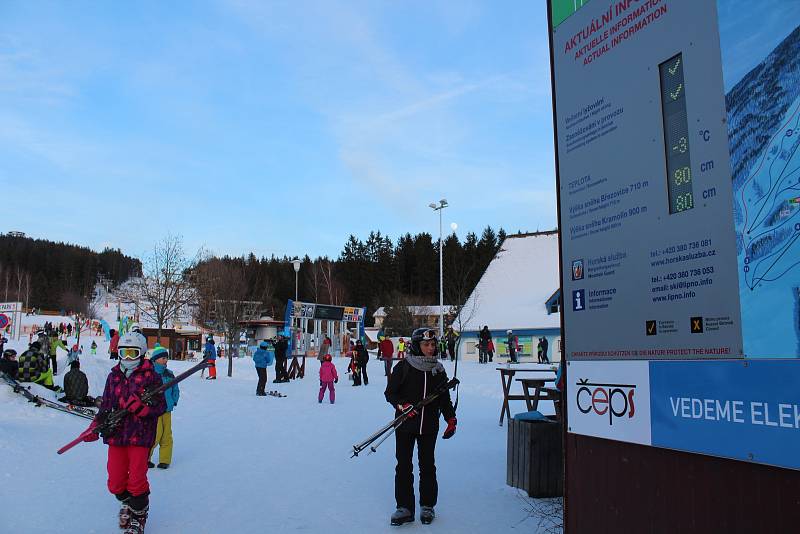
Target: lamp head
x=432, y=206
x=296, y=264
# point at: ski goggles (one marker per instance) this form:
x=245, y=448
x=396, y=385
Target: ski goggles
x=129, y=353
x=429, y=335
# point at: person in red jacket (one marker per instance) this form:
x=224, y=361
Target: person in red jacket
x=130, y=442
x=112, y=348
x=386, y=350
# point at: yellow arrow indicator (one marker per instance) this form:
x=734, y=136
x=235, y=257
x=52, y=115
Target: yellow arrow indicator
x=673, y=69
x=677, y=92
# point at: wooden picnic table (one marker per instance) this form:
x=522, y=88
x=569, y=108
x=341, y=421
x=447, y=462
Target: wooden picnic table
x=507, y=373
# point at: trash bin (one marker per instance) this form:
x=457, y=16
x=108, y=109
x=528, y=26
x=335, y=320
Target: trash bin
x=534, y=459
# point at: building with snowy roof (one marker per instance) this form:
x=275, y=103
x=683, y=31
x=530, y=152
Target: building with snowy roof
x=519, y=292
x=423, y=315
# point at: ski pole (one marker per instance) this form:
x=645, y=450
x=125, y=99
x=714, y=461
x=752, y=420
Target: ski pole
x=374, y=448
x=400, y=418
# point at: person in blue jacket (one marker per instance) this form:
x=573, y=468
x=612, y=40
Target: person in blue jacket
x=159, y=357
x=210, y=352
x=262, y=358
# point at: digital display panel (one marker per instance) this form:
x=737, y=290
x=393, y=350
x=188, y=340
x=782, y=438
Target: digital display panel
x=676, y=135
x=333, y=313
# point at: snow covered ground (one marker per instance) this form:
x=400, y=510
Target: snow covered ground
x=259, y=464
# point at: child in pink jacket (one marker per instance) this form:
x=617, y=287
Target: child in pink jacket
x=327, y=377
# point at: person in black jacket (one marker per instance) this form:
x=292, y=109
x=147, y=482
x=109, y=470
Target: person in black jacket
x=76, y=386
x=413, y=379
x=362, y=359
x=485, y=337
x=281, y=347
x=9, y=364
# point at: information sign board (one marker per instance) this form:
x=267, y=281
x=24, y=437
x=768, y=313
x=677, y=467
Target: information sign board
x=647, y=229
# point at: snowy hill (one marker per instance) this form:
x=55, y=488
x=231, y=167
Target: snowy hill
x=250, y=464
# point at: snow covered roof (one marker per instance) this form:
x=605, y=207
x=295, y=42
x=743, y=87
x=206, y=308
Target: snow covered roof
x=516, y=286
x=372, y=334
x=417, y=310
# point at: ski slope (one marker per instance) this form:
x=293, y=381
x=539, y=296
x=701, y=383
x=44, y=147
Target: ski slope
x=259, y=464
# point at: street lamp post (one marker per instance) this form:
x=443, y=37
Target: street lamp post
x=442, y=205
x=296, y=264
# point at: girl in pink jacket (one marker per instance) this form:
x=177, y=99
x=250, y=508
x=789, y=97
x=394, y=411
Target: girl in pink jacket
x=327, y=377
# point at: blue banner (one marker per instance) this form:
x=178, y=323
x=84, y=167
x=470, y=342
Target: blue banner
x=746, y=410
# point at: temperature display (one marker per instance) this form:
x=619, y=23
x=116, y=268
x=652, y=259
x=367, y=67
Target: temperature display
x=676, y=135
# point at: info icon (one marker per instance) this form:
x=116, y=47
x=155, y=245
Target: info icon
x=650, y=328
x=577, y=269
x=579, y=300
x=697, y=325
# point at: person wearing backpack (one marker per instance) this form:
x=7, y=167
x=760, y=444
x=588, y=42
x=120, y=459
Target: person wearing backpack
x=413, y=379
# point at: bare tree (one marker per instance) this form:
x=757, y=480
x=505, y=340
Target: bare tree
x=314, y=279
x=399, y=320
x=222, y=300
x=333, y=288
x=20, y=274
x=164, y=289
x=27, y=288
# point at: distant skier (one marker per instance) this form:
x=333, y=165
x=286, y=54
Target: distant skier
x=545, y=344
x=129, y=445
x=362, y=359
x=94, y=347
x=163, y=440
x=112, y=347
x=401, y=348
x=74, y=354
x=385, y=352
x=324, y=348
x=485, y=338
x=451, y=336
x=327, y=378
x=413, y=379
x=9, y=364
x=210, y=352
x=281, y=347
x=511, y=343
x=262, y=358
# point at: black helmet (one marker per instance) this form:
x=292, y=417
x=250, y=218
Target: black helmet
x=420, y=334
x=36, y=345
x=9, y=353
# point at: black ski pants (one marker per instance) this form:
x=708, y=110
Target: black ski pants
x=262, y=379
x=387, y=364
x=280, y=369
x=364, y=376
x=404, y=472
x=54, y=363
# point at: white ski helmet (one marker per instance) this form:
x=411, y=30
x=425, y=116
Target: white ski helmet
x=134, y=340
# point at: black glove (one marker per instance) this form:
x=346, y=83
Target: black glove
x=336, y=380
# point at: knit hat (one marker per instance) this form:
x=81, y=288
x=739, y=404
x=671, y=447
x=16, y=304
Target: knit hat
x=158, y=352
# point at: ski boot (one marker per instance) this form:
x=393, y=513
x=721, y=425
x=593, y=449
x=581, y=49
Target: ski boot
x=402, y=515
x=427, y=515
x=137, y=521
x=163, y=465
x=124, y=515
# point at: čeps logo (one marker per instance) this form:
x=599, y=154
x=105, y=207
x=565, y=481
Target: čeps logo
x=616, y=400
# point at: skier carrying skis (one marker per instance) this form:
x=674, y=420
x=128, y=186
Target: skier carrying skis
x=129, y=445
x=413, y=379
x=210, y=352
x=159, y=357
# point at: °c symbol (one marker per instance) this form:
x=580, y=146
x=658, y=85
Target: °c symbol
x=705, y=134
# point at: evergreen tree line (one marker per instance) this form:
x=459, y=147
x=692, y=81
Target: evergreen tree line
x=54, y=276
x=374, y=272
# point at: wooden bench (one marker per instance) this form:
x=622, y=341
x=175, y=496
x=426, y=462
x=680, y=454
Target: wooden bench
x=540, y=392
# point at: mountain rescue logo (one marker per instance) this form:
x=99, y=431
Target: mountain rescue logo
x=577, y=270
x=606, y=400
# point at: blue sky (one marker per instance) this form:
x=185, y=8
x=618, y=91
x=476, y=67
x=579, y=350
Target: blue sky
x=273, y=127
